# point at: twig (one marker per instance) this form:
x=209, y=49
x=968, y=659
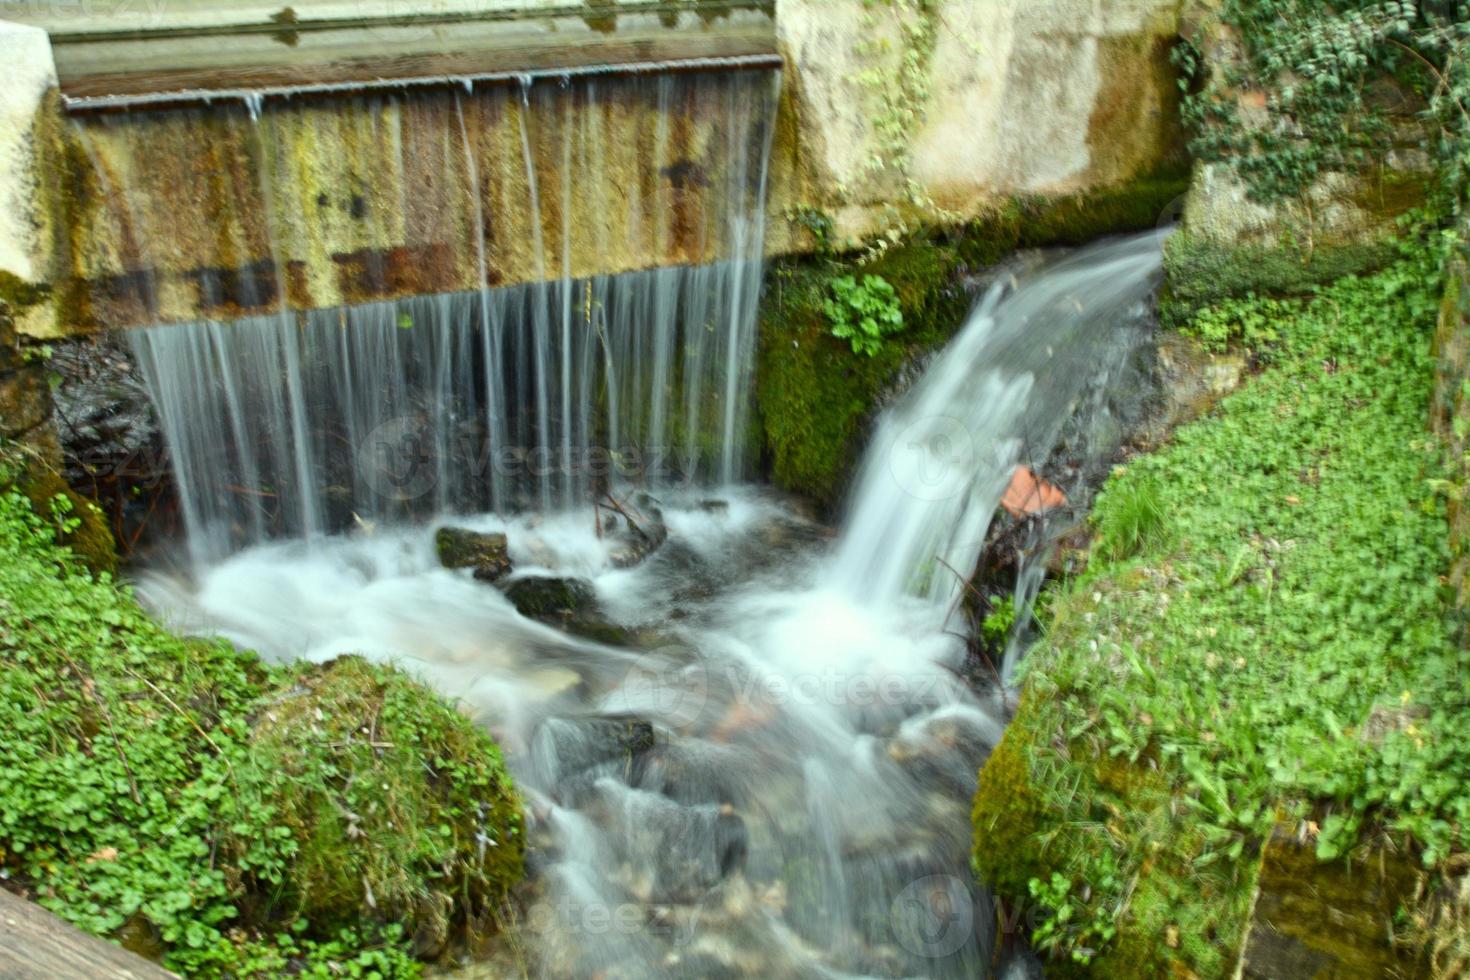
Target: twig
x=90, y=688
x=999, y=681
x=184, y=715
x=249, y=492
x=613, y=502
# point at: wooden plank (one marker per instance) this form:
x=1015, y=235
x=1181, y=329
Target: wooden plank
x=38, y=945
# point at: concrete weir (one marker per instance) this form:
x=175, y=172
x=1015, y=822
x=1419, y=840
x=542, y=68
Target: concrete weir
x=184, y=160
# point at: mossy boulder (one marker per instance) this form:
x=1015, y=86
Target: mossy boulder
x=79, y=524
x=540, y=596
x=486, y=554
x=1201, y=272
x=397, y=807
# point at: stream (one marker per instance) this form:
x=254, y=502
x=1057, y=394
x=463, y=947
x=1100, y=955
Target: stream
x=762, y=765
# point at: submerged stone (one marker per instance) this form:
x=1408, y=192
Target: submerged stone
x=543, y=596
x=644, y=534
x=486, y=554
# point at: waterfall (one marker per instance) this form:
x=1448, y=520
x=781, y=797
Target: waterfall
x=294, y=423
x=1036, y=347
x=800, y=805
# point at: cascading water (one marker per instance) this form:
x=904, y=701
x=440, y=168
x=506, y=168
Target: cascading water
x=796, y=803
x=286, y=426
x=1000, y=396
x=295, y=423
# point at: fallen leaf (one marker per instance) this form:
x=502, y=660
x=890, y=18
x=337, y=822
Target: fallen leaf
x=1030, y=494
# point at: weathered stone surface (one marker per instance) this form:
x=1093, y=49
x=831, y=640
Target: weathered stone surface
x=25, y=401
x=1045, y=98
x=191, y=214
x=1231, y=243
x=1049, y=99
x=1326, y=919
x=29, y=75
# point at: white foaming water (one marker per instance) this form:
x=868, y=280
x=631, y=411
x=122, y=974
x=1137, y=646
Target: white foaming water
x=796, y=801
x=999, y=395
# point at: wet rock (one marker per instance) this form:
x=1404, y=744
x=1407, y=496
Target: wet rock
x=488, y=555
x=714, y=506
x=569, y=604
x=563, y=747
x=551, y=597
x=683, y=851
x=1191, y=381
x=945, y=751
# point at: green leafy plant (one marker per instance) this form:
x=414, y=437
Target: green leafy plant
x=1129, y=518
x=995, y=628
x=1315, y=65
x=182, y=790
x=863, y=312
x=1279, y=647
x=1249, y=322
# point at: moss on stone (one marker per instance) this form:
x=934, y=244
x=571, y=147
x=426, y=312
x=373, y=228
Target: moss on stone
x=1202, y=273
x=91, y=539
x=17, y=293
x=401, y=810
x=816, y=398
x=1009, y=809
x=1075, y=219
x=815, y=395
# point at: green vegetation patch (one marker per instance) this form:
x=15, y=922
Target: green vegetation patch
x=1261, y=635
x=815, y=394
x=231, y=817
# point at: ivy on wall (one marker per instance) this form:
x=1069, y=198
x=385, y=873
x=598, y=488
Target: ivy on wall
x=1317, y=87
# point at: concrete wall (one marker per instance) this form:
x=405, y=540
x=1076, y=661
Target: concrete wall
x=195, y=213
x=1010, y=97
x=25, y=239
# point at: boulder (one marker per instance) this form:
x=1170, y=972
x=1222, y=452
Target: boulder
x=551, y=597
x=487, y=554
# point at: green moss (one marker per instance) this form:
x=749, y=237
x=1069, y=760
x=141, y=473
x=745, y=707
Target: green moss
x=1035, y=222
x=398, y=807
x=1010, y=810
x=815, y=396
x=183, y=796
x=17, y=293
x=1202, y=273
x=78, y=522
x=1218, y=677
